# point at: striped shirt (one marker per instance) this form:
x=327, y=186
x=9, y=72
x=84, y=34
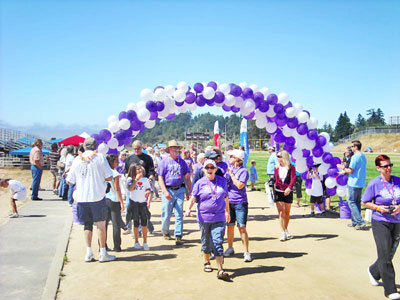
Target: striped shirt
x=53, y=158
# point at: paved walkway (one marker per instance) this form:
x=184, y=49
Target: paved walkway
x=324, y=260
x=32, y=249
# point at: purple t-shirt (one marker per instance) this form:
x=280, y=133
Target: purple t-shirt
x=210, y=210
x=196, y=167
x=223, y=166
x=189, y=162
x=383, y=193
x=235, y=195
x=173, y=171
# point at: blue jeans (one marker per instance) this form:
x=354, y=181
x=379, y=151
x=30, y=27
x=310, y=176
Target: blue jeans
x=70, y=191
x=176, y=202
x=128, y=222
x=212, y=237
x=354, y=200
x=36, y=177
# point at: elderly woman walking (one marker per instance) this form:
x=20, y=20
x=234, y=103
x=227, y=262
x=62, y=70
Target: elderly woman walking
x=210, y=193
x=382, y=195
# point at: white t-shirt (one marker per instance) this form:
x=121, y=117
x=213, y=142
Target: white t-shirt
x=68, y=161
x=316, y=186
x=282, y=173
x=112, y=194
x=17, y=189
x=137, y=195
x=89, y=173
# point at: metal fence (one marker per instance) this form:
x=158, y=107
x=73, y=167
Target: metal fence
x=368, y=131
x=18, y=162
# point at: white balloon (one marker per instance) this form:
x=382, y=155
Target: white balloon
x=124, y=124
x=271, y=127
x=120, y=148
x=302, y=117
x=341, y=191
x=183, y=86
x=259, y=114
x=270, y=112
x=169, y=90
x=146, y=94
x=318, y=160
x=179, y=95
x=131, y=106
x=326, y=136
x=283, y=98
x=141, y=104
x=224, y=88
x=308, y=192
x=254, y=87
x=243, y=85
x=239, y=102
x=170, y=104
x=162, y=114
x=328, y=147
x=135, y=133
x=113, y=127
x=112, y=119
x=309, y=144
x=249, y=105
x=192, y=107
x=323, y=168
x=143, y=115
x=261, y=122
x=265, y=91
x=181, y=109
x=312, y=123
x=286, y=131
x=330, y=182
x=298, y=107
x=150, y=124
x=112, y=143
x=290, y=112
x=103, y=148
x=208, y=93
x=160, y=94
x=229, y=100
x=297, y=154
x=301, y=165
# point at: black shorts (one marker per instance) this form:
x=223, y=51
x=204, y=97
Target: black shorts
x=280, y=197
x=138, y=213
x=315, y=199
x=92, y=211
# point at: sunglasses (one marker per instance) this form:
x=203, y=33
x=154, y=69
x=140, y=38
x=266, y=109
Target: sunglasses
x=386, y=166
x=137, y=149
x=279, y=156
x=209, y=168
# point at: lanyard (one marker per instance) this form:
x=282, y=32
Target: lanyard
x=391, y=191
x=213, y=191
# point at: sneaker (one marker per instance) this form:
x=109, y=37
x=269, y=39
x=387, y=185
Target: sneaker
x=117, y=249
x=137, y=246
x=89, y=257
x=167, y=236
x=229, y=252
x=312, y=214
x=394, y=296
x=37, y=199
x=178, y=240
x=146, y=247
x=247, y=257
x=288, y=236
x=360, y=227
x=16, y=215
x=283, y=237
x=372, y=280
x=351, y=225
x=106, y=257
x=126, y=232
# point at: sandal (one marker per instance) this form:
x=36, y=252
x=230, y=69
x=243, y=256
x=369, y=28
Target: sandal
x=207, y=267
x=223, y=275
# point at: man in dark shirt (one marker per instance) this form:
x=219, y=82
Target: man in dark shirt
x=54, y=156
x=142, y=159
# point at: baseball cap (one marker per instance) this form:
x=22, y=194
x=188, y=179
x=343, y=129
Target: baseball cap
x=271, y=148
x=236, y=153
x=210, y=162
x=211, y=154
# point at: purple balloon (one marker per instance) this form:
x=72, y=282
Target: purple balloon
x=281, y=122
x=331, y=191
x=122, y=115
x=160, y=105
x=310, y=162
x=289, y=104
x=272, y=99
x=112, y=151
x=306, y=152
x=142, y=128
x=158, y=87
x=213, y=85
x=263, y=107
x=131, y=115
x=127, y=141
x=153, y=115
x=198, y=87
x=179, y=103
x=335, y=161
x=135, y=125
x=288, y=148
x=312, y=134
x=342, y=180
x=291, y=141
x=236, y=90
x=250, y=116
x=309, y=115
x=190, y=98
x=258, y=96
x=304, y=175
x=235, y=109
x=308, y=183
x=317, y=151
x=247, y=93
x=170, y=116
x=278, y=108
x=120, y=135
x=321, y=140
x=226, y=108
x=327, y=157
x=105, y=135
x=200, y=101
x=210, y=102
x=292, y=123
x=280, y=138
x=302, y=129
x=219, y=97
x=98, y=138
x=332, y=172
x=151, y=106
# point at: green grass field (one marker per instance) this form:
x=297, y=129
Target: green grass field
x=261, y=159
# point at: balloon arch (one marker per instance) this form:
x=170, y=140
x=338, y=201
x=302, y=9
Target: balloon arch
x=287, y=123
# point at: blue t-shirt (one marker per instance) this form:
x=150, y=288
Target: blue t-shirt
x=253, y=174
x=358, y=163
x=272, y=162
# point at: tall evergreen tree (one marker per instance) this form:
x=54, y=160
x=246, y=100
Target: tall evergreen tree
x=343, y=126
x=360, y=123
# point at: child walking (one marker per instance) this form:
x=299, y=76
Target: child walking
x=316, y=192
x=253, y=175
x=140, y=195
x=18, y=193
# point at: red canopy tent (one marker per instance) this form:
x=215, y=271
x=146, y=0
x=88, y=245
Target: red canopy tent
x=72, y=140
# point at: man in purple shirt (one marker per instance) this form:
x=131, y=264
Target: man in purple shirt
x=173, y=175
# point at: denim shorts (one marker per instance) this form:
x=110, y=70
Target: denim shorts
x=212, y=237
x=92, y=211
x=238, y=213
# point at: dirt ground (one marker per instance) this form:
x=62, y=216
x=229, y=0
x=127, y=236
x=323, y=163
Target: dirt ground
x=25, y=177
x=324, y=260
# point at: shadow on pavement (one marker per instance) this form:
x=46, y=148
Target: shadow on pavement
x=319, y=237
x=32, y=216
x=147, y=257
x=253, y=270
x=271, y=254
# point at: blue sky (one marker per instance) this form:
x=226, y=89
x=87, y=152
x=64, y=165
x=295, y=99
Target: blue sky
x=67, y=63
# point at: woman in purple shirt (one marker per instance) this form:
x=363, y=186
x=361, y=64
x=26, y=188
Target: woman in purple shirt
x=382, y=195
x=210, y=193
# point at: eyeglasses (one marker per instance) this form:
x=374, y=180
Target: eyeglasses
x=279, y=156
x=137, y=149
x=386, y=166
x=209, y=168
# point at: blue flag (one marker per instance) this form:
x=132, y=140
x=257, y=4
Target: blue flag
x=244, y=141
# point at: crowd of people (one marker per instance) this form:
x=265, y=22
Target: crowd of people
x=108, y=188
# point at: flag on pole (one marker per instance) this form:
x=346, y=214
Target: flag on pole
x=244, y=141
x=216, y=134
